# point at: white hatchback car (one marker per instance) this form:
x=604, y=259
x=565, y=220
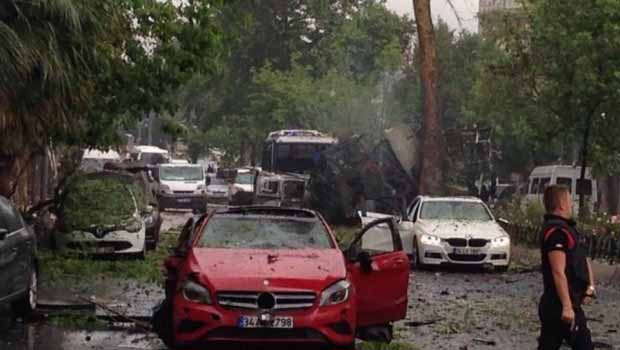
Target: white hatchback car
x=452, y=230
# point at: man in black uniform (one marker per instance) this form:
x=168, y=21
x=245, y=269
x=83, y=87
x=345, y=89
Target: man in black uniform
x=567, y=276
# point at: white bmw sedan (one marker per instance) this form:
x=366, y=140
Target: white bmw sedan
x=452, y=230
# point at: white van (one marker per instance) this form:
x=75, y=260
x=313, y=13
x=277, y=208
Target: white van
x=93, y=160
x=182, y=186
x=150, y=155
x=566, y=175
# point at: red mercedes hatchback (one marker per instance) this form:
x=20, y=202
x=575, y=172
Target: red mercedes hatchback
x=277, y=275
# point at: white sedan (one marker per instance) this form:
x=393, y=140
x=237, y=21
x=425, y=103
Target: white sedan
x=452, y=230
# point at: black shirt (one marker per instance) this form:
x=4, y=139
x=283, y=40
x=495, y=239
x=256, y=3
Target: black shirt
x=560, y=234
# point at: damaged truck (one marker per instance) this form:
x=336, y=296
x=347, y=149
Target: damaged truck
x=306, y=168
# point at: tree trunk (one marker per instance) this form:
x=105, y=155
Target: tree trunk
x=430, y=178
x=243, y=152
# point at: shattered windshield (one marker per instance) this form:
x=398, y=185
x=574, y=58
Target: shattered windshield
x=453, y=210
x=181, y=173
x=264, y=232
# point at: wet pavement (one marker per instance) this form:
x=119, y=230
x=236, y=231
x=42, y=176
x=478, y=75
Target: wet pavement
x=448, y=309
x=483, y=310
x=44, y=337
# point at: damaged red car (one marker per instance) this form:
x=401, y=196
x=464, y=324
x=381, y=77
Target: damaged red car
x=277, y=275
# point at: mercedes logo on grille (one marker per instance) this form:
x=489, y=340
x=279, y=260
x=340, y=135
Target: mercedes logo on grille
x=266, y=301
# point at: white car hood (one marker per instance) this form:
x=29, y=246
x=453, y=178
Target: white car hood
x=182, y=185
x=461, y=229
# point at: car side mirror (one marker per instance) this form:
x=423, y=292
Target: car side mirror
x=503, y=221
x=3, y=233
x=148, y=210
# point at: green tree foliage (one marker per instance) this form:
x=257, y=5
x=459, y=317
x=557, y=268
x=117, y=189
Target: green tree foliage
x=329, y=65
x=45, y=57
x=74, y=71
x=547, y=73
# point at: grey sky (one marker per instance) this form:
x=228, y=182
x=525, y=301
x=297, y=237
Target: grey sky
x=466, y=9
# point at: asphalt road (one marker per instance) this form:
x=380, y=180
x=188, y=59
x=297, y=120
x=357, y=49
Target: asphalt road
x=448, y=309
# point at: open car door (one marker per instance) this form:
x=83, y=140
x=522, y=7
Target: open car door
x=379, y=269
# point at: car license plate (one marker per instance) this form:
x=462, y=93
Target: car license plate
x=183, y=200
x=276, y=322
x=466, y=251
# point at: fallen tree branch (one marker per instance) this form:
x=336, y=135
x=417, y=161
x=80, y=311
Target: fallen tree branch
x=141, y=324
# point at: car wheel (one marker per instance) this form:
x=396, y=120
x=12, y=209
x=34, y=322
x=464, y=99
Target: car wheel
x=501, y=269
x=151, y=245
x=162, y=323
x=26, y=305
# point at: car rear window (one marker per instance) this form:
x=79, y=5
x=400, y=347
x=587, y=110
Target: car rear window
x=454, y=210
x=264, y=232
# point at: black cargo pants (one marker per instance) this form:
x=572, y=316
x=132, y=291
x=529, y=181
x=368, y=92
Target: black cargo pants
x=554, y=331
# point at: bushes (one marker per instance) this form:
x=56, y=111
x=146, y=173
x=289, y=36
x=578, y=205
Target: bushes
x=525, y=221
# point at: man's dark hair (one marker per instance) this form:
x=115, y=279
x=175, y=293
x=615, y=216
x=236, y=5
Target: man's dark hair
x=553, y=197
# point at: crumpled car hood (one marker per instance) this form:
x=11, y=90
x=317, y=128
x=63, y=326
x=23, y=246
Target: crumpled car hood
x=284, y=270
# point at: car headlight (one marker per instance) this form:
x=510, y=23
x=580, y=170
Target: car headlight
x=335, y=294
x=430, y=239
x=195, y=292
x=500, y=241
x=133, y=226
x=164, y=189
x=148, y=220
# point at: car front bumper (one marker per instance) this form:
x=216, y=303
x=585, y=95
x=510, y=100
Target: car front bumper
x=116, y=242
x=199, y=324
x=219, y=198
x=446, y=254
x=182, y=201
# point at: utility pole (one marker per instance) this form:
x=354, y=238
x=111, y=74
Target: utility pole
x=584, y=164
